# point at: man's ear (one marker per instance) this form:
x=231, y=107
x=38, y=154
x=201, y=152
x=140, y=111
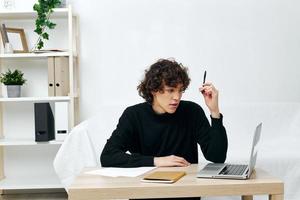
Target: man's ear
x=153, y=93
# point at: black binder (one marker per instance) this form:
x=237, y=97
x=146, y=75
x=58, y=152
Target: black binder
x=44, y=122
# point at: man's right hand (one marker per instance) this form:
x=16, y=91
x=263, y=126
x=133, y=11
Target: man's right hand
x=170, y=161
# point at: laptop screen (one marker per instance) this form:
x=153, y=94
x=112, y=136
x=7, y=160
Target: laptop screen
x=254, y=150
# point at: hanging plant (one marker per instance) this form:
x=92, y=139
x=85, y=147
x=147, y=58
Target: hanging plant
x=44, y=8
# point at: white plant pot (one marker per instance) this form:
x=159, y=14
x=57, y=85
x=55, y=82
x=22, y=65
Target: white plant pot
x=13, y=90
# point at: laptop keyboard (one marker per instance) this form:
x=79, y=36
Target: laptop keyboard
x=234, y=169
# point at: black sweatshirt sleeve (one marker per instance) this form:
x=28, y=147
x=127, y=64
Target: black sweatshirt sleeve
x=211, y=138
x=123, y=139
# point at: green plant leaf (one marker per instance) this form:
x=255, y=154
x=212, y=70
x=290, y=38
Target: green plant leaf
x=36, y=7
x=45, y=36
x=50, y=25
x=40, y=44
x=44, y=8
x=12, y=78
x=38, y=30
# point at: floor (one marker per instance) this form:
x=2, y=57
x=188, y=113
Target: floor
x=41, y=196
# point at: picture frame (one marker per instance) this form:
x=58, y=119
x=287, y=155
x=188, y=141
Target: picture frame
x=16, y=37
x=4, y=36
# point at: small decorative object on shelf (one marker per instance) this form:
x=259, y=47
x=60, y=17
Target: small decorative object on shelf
x=44, y=10
x=8, y=48
x=48, y=51
x=4, y=34
x=8, y=4
x=16, y=37
x=13, y=81
x=14, y=40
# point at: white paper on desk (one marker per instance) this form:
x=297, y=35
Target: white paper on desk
x=115, y=171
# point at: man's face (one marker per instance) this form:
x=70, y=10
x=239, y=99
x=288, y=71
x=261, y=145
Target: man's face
x=168, y=99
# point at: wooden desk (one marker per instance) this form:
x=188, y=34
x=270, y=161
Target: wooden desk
x=93, y=187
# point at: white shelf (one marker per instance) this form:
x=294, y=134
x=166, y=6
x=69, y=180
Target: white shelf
x=30, y=183
x=25, y=163
x=25, y=142
x=21, y=14
x=34, y=55
x=35, y=99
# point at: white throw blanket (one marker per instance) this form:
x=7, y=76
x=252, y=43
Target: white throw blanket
x=83, y=145
x=76, y=152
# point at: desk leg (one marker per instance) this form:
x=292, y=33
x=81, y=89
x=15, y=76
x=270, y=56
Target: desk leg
x=249, y=197
x=276, y=197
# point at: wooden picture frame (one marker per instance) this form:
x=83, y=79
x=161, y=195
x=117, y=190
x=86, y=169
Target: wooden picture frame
x=16, y=37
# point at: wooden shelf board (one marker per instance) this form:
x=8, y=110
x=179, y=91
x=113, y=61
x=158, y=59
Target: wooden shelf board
x=26, y=142
x=30, y=183
x=34, y=55
x=35, y=99
x=29, y=14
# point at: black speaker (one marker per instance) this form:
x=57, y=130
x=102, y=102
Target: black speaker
x=44, y=122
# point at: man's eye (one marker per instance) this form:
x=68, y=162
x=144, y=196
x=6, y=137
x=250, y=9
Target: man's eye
x=170, y=90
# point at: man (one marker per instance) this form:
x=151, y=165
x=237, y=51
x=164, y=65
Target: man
x=164, y=131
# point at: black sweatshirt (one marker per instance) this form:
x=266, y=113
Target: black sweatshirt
x=146, y=134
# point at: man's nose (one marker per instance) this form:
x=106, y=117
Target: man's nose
x=177, y=95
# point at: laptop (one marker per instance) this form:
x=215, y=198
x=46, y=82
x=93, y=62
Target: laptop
x=233, y=171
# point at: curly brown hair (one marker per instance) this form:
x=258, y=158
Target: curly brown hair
x=163, y=72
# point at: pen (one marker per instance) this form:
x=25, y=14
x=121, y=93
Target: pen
x=204, y=77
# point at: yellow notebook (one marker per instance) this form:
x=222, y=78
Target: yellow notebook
x=163, y=177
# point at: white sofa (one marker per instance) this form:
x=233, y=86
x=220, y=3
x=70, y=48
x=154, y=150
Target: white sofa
x=279, y=151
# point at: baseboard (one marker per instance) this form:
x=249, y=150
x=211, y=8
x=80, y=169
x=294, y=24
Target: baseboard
x=36, y=191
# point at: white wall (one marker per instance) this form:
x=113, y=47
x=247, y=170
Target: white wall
x=249, y=47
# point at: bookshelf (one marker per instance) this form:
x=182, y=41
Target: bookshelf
x=25, y=163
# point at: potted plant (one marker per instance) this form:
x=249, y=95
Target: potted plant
x=44, y=9
x=13, y=81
